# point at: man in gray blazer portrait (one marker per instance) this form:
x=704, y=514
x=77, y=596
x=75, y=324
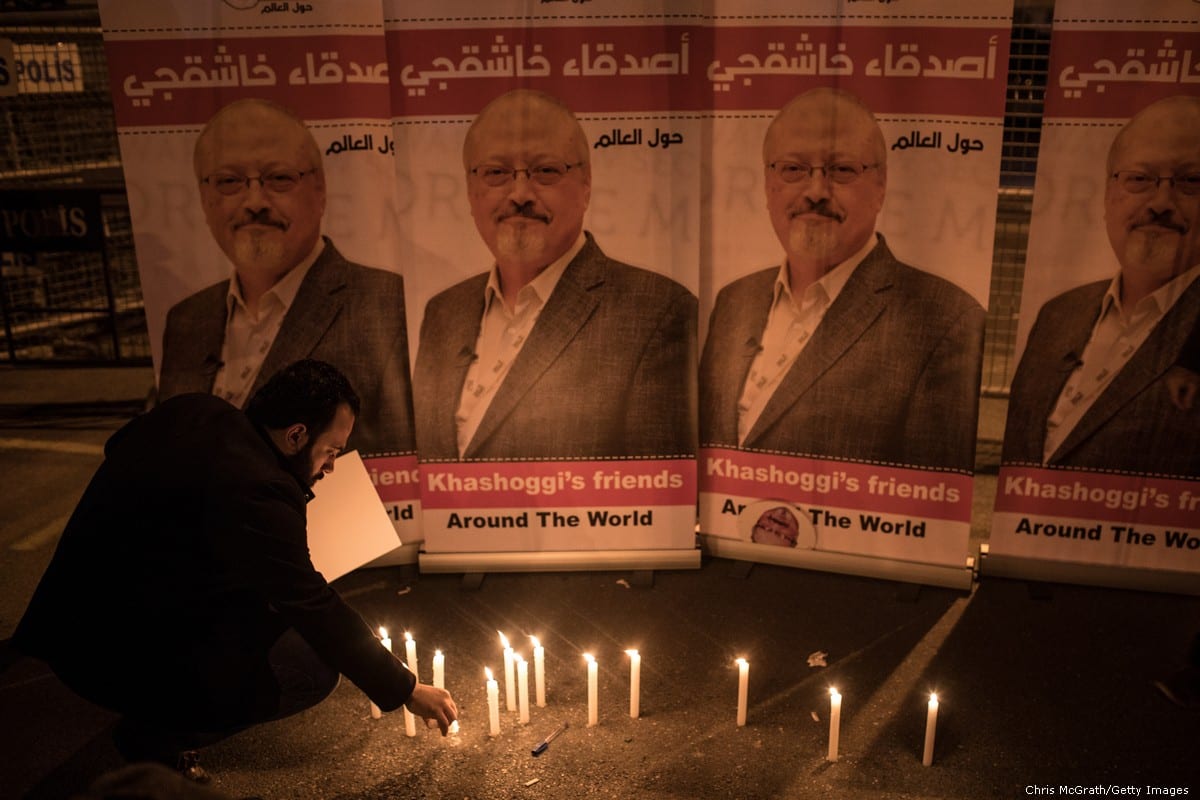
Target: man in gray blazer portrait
x=841, y=351
x=1092, y=389
x=291, y=294
x=556, y=351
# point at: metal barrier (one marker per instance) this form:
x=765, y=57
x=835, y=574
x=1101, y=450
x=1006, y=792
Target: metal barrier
x=57, y=132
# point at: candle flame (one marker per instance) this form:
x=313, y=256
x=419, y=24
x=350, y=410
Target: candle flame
x=382, y=632
x=518, y=659
x=933, y=697
x=488, y=671
x=588, y=658
x=407, y=636
x=535, y=641
x=437, y=653
x=741, y=662
x=633, y=652
x=833, y=693
x=503, y=640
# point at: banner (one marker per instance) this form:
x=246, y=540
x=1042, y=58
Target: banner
x=854, y=164
x=554, y=262
x=272, y=237
x=1101, y=454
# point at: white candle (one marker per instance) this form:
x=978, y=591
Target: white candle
x=635, y=683
x=493, y=697
x=410, y=652
x=930, y=729
x=835, y=722
x=539, y=672
x=439, y=669
x=743, y=689
x=410, y=655
x=410, y=723
x=593, y=679
x=522, y=688
x=386, y=642
x=510, y=686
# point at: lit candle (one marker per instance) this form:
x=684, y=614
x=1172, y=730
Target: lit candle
x=539, y=671
x=386, y=642
x=743, y=689
x=593, y=679
x=522, y=688
x=835, y=722
x=510, y=686
x=635, y=683
x=930, y=729
x=439, y=669
x=410, y=653
x=493, y=696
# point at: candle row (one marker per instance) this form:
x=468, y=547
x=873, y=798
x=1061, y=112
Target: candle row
x=514, y=662
x=835, y=724
x=517, y=691
x=410, y=657
x=835, y=714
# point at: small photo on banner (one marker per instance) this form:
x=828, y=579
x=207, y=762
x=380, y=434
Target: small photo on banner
x=1101, y=457
x=855, y=162
x=550, y=162
x=252, y=138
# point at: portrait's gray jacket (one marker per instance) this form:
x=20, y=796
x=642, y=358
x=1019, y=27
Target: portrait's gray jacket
x=344, y=313
x=609, y=369
x=890, y=375
x=1132, y=426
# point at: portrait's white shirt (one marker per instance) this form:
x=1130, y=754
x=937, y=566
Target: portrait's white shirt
x=503, y=331
x=1116, y=336
x=248, y=337
x=791, y=323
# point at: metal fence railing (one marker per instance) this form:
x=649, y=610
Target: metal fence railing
x=59, y=132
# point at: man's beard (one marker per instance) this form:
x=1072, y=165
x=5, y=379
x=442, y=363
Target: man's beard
x=1156, y=253
x=518, y=242
x=258, y=249
x=301, y=465
x=817, y=241
x=524, y=240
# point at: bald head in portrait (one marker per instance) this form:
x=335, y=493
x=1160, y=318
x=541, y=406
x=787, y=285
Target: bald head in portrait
x=290, y=294
x=1092, y=389
x=839, y=351
x=555, y=350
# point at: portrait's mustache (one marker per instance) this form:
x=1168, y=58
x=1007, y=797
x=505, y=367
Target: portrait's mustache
x=820, y=207
x=261, y=217
x=1162, y=219
x=525, y=210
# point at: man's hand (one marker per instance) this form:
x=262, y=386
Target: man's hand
x=435, y=706
x=1183, y=385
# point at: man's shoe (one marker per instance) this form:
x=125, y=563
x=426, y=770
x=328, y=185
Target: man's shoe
x=189, y=767
x=1182, y=688
x=138, y=742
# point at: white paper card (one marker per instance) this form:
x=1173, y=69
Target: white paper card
x=347, y=525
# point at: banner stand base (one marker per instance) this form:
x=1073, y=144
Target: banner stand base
x=844, y=563
x=563, y=561
x=1102, y=575
x=404, y=554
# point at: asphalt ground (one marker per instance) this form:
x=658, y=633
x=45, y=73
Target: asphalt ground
x=1044, y=689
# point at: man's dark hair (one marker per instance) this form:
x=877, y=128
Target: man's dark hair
x=308, y=391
